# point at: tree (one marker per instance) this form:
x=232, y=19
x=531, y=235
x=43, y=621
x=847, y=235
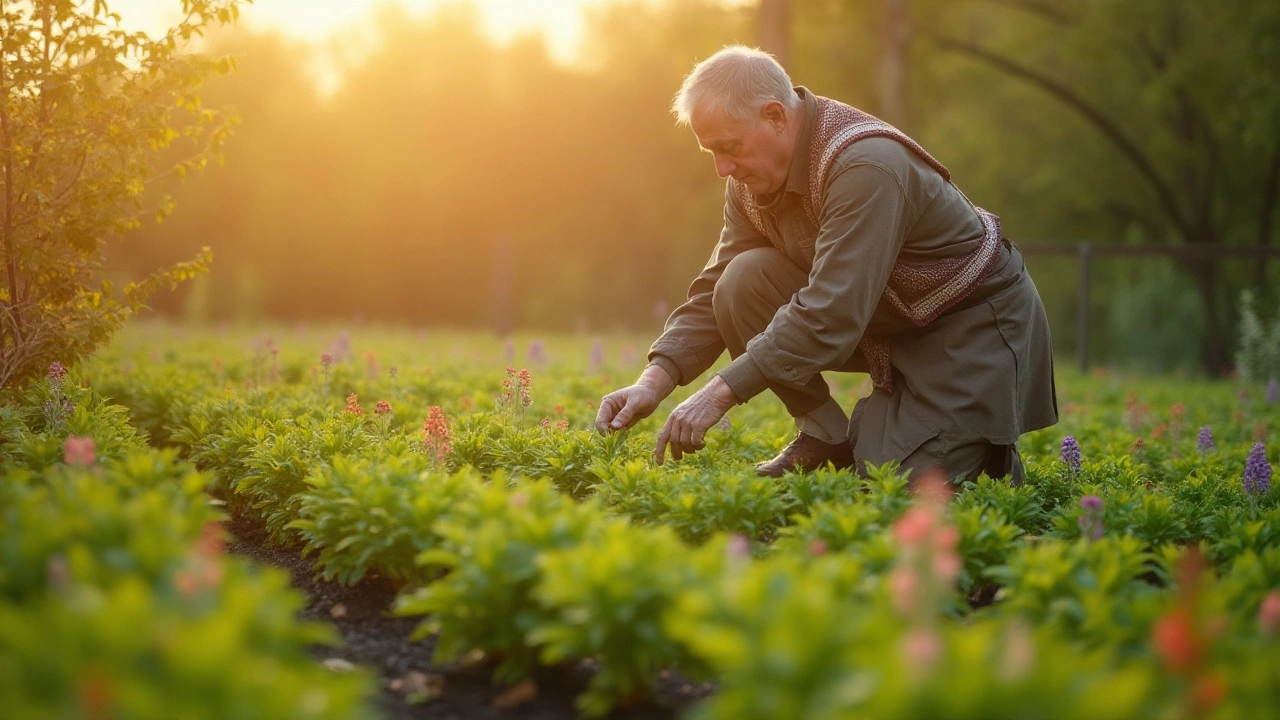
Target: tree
x=87, y=111
x=1185, y=95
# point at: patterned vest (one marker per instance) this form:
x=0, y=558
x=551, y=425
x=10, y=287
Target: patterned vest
x=919, y=292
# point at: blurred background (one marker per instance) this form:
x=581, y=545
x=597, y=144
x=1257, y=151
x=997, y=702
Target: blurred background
x=506, y=165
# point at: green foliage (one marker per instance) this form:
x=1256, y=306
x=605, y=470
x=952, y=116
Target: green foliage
x=365, y=514
x=132, y=650
x=1091, y=590
x=696, y=503
x=86, y=108
x=122, y=520
x=606, y=600
x=526, y=571
x=778, y=634
x=1258, y=355
x=490, y=544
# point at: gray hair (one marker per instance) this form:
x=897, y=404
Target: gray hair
x=738, y=81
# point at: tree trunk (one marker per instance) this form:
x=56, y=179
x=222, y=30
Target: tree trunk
x=895, y=63
x=775, y=29
x=1215, y=349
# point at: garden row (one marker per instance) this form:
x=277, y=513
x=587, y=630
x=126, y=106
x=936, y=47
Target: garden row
x=1137, y=582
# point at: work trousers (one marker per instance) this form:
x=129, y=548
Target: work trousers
x=755, y=284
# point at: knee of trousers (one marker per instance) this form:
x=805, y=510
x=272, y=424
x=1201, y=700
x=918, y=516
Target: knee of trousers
x=748, y=283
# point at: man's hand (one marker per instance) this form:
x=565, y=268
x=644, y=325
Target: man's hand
x=687, y=425
x=623, y=408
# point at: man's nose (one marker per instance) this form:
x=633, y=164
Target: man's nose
x=725, y=167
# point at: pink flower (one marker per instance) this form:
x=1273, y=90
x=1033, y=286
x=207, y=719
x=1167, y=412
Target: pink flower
x=326, y=359
x=817, y=548
x=437, y=434
x=79, y=450
x=739, y=548
x=903, y=586
x=382, y=408
x=1269, y=614
x=914, y=525
x=921, y=648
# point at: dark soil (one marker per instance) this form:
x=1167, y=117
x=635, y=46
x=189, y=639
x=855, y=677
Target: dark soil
x=373, y=639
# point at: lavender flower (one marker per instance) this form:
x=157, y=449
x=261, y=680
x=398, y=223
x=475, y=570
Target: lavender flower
x=1273, y=391
x=1071, y=453
x=1204, y=441
x=1257, y=471
x=1091, y=519
x=537, y=351
x=56, y=371
x=596, y=360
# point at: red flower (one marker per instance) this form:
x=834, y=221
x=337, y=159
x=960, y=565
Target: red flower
x=353, y=406
x=382, y=408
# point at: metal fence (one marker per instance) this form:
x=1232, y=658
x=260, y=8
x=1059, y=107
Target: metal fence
x=1086, y=252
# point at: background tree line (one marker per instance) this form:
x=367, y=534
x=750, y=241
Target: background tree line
x=454, y=181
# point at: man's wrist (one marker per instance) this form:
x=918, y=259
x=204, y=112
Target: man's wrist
x=655, y=376
x=721, y=391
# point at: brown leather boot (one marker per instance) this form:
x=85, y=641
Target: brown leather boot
x=807, y=453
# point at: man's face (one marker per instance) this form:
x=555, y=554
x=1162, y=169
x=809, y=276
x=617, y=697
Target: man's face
x=756, y=153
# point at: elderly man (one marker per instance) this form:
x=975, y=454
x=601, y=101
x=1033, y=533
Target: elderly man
x=847, y=248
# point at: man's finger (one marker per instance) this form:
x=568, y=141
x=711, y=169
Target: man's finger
x=623, y=418
x=605, y=414
x=677, y=440
x=698, y=438
x=660, y=450
x=687, y=438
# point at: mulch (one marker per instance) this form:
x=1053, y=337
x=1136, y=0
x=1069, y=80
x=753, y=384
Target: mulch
x=372, y=639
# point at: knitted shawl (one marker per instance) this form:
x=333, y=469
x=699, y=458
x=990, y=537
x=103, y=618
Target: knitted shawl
x=919, y=292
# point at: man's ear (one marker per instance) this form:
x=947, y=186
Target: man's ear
x=775, y=115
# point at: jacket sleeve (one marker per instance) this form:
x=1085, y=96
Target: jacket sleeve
x=864, y=221
x=691, y=342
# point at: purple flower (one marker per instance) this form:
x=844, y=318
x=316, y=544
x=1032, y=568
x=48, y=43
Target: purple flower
x=1273, y=391
x=1257, y=471
x=326, y=359
x=56, y=371
x=596, y=360
x=537, y=351
x=1091, y=519
x=1071, y=453
x=1204, y=441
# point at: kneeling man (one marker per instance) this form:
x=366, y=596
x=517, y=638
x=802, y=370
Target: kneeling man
x=846, y=248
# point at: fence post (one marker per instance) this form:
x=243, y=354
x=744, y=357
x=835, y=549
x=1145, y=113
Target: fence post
x=1082, y=317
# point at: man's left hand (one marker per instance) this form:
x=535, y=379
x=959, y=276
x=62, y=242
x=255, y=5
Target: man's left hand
x=687, y=425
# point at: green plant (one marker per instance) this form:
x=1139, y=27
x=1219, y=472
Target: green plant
x=85, y=109
x=365, y=514
x=490, y=543
x=607, y=600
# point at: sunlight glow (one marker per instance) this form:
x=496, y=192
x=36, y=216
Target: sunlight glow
x=559, y=21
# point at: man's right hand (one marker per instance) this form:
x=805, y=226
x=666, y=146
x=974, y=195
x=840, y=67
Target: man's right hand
x=623, y=408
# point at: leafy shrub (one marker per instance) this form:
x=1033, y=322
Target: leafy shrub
x=1258, y=356
x=131, y=650
x=130, y=518
x=1096, y=591
x=490, y=543
x=363, y=514
x=606, y=600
